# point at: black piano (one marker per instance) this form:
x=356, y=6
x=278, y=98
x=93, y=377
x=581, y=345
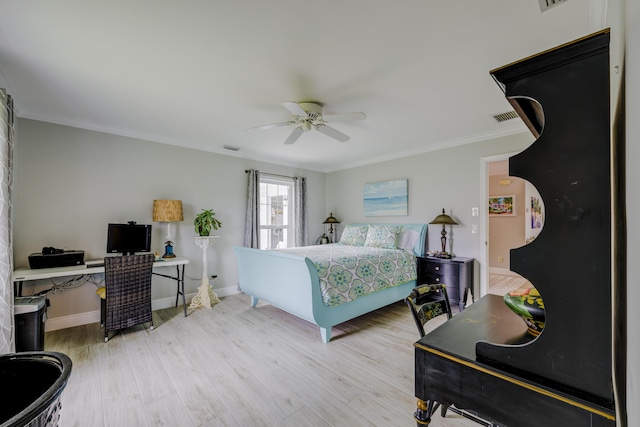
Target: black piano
x=484, y=360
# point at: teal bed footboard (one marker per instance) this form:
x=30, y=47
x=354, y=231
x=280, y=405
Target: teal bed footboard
x=290, y=283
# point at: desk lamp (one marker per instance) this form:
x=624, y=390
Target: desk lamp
x=445, y=220
x=331, y=220
x=168, y=211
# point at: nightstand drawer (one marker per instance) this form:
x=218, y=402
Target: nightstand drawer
x=432, y=279
x=455, y=273
x=434, y=269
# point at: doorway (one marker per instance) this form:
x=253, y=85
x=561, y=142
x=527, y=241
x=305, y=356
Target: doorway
x=503, y=224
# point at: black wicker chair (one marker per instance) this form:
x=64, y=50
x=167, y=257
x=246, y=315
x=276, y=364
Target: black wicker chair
x=427, y=302
x=127, y=299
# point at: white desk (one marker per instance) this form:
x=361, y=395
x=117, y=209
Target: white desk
x=23, y=274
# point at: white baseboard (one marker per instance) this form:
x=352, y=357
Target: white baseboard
x=63, y=322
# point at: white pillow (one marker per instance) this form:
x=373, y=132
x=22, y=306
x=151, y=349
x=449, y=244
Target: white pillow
x=408, y=239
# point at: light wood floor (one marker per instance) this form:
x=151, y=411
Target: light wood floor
x=500, y=284
x=241, y=366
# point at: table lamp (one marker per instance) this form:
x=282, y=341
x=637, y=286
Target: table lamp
x=168, y=211
x=331, y=220
x=445, y=220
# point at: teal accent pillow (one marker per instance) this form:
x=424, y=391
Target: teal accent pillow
x=354, y=235
x=383, y=236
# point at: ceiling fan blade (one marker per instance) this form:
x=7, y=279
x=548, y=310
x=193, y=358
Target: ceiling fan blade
x=271, y=126
x=345, y=117
x=293, y=137
x=294, y=108
x=329, y=131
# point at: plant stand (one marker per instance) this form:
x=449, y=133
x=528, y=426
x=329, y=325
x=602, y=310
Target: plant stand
x=205, y=297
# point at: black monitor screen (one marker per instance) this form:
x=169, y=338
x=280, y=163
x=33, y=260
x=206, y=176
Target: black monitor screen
x=128, y=238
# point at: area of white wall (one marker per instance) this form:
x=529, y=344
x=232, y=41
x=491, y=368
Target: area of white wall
x=70, y=183
x=441, y=179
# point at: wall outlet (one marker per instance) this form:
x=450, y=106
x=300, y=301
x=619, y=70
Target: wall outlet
x=500, y=259
x=474, y=229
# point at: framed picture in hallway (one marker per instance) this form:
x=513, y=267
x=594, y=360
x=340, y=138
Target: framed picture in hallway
x=502, y=205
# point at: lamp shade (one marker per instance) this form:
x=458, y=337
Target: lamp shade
x=331, y=220
x=443, y=219
x=167, y=210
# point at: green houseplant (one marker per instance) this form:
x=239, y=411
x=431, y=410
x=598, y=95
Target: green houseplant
x=205, y=222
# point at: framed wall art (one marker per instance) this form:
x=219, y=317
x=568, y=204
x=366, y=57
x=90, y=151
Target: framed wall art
x=537, y=218
x=502, y=205
x=387, y=198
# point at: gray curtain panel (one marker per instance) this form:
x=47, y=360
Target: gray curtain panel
x=7, y=343
x=300, y=211
x=252, y=224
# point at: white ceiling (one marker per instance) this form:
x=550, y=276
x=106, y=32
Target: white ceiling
x=198, y=73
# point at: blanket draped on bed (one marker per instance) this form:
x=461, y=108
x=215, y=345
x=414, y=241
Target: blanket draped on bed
x=348, y=272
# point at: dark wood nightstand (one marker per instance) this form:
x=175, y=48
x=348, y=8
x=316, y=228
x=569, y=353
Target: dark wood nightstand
x=456, y=273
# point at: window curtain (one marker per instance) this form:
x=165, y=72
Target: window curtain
x=300, y=211
x=252, y=224
x=7, y=344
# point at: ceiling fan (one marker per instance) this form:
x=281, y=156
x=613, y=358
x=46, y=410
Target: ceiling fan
x=308, y=115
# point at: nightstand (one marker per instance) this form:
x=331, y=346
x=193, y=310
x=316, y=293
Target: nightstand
x=456, y=273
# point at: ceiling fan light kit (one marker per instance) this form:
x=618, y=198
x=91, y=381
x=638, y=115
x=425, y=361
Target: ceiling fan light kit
x=308, y=115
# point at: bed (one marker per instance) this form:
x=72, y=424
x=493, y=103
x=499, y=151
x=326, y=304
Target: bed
x=327, y=292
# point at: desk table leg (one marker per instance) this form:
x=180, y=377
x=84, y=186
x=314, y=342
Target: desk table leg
x=17, y=289
x=180, y=279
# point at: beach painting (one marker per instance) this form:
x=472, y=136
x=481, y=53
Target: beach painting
x=387, y=198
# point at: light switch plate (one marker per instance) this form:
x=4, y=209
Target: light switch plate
x=474, y=229
x=475, y=212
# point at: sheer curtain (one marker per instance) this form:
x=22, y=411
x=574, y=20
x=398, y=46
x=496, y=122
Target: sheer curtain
x=7, y=344
x=252, y=224
x=300, y=211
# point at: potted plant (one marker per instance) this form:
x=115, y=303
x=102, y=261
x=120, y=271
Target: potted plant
x=205, y=222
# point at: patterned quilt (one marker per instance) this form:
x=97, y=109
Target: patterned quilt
x=348, y=272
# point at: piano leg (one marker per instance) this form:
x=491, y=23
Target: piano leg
x=424, y=412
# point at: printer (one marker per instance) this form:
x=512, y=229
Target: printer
x=52, y=257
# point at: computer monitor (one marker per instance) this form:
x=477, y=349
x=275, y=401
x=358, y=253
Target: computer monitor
x=128, y=239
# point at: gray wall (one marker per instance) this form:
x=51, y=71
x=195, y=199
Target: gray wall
x=70, y=183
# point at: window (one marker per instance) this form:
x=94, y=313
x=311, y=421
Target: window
x=276, y=212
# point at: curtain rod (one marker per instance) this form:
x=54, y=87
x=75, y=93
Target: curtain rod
x=273, y=174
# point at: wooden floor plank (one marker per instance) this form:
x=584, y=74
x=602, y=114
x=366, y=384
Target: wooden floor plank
x=235, y=365
x=122, y=402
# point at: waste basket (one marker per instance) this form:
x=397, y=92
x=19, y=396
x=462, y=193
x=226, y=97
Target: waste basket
x=30, y=314
x=32, y=386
